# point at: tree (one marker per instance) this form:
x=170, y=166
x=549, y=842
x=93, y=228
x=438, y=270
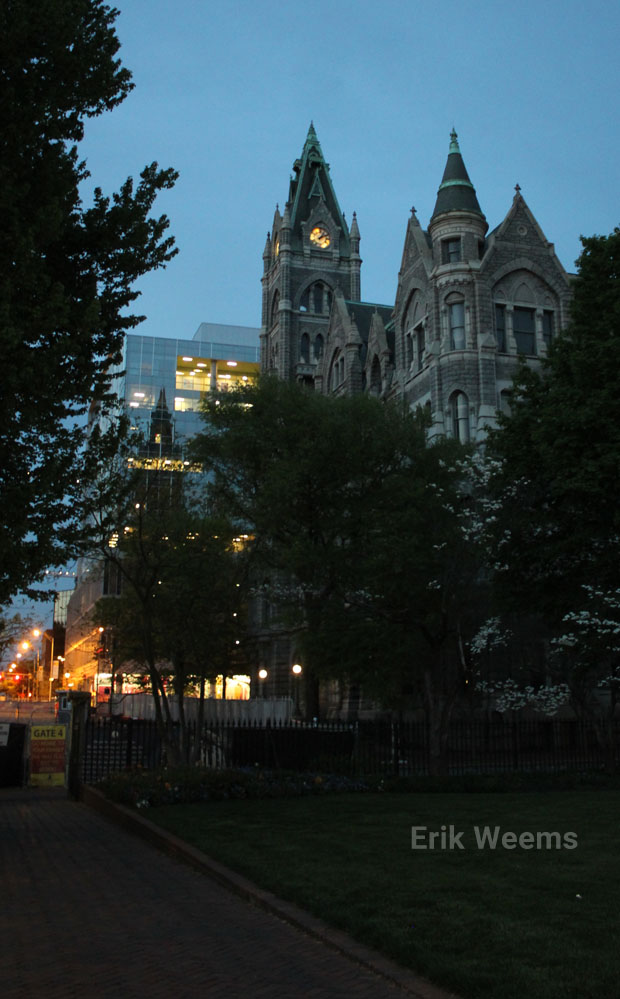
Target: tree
x=176, y=613
x=559, y=452
x=558, y=530
x=363, y=534
x=66, y=269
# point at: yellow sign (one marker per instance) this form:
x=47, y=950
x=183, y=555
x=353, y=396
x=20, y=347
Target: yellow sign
x=47, y=754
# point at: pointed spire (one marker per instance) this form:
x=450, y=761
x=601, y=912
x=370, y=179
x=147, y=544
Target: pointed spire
x=312, y=185
x=161, y=402
x=354, y=232
x=267, y=250
x=456, y=191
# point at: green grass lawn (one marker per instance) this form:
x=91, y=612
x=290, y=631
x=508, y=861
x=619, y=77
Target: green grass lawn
x=487, y=923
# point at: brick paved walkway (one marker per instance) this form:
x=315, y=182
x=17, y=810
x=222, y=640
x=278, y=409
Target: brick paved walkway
x=88, y=910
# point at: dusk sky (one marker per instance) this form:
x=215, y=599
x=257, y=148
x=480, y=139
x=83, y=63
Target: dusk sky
x=225, y=92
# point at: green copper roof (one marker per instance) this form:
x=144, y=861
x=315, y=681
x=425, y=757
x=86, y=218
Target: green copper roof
x=456, y=191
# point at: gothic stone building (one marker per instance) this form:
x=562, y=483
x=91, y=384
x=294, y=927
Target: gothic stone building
x=468, y=303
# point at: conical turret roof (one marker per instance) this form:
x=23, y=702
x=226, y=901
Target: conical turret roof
x=311, y=183
x=456, y=191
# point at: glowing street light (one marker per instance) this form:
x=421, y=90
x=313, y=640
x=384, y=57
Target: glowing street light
x=296, y=670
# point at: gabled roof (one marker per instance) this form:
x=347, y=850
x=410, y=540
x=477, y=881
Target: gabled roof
x=456, y=191
x=312, y=183
x=363, y=312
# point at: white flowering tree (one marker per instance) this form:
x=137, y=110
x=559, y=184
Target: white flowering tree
x=558, y=458
x=588, y=649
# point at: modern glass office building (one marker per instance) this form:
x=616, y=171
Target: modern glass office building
x=217, y=356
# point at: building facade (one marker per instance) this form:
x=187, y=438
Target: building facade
x=217, y=357
x=161, y=384
x=469, y=303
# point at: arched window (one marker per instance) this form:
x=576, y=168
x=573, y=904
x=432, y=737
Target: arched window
x=456, y=314
x=505, y=401
x=304, y=348
x=413, y=327
x=317, y=299
x=318, y=346
x=275, y=306
x=459, y=411
x=526, y=312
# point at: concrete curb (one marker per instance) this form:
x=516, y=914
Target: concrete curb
x=337, y=940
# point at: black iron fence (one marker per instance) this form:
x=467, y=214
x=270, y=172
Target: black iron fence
x=364, y=748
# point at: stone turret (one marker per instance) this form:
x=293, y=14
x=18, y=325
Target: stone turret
x=457, y=226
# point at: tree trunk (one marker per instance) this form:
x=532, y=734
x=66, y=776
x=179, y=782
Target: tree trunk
x=438, y=709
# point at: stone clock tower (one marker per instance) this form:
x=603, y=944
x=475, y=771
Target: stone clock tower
x=309, y=254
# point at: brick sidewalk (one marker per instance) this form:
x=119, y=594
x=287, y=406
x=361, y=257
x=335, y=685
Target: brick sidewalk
x=90, y=910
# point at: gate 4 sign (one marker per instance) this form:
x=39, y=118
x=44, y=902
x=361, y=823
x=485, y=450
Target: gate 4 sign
x=47, y=754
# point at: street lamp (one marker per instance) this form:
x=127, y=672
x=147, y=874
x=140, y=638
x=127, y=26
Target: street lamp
x=34, y=675
x=296, y=670
x=262, y=676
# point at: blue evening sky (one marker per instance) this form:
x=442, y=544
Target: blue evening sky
x=225, y=91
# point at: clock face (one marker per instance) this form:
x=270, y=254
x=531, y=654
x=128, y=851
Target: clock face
x=320, y=237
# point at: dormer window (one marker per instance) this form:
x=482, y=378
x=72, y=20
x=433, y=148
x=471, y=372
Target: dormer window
x=450, y=251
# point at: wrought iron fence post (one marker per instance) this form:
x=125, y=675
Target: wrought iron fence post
x=80, y=703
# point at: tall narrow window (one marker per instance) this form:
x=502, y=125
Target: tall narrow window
x=304, y=348
x=547, y=327
x=460, y=416
x=500, y=327
x=457, y=326
x=318, y=346
x=419, y=338
x=524, y=326
x=408, y=350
